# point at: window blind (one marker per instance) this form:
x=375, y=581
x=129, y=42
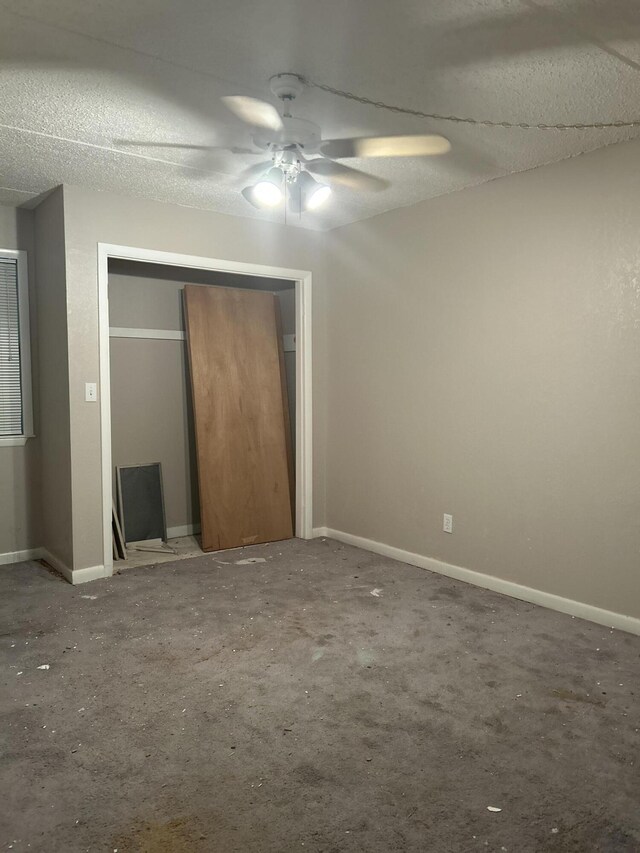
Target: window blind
x=11, y=420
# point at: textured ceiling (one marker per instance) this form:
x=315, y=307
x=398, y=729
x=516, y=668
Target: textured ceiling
x=78, y=76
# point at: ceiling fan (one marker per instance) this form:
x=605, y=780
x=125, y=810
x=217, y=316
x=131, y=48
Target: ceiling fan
x=299, y=154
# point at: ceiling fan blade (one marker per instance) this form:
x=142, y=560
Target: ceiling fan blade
x=415, y=145
x=352, y=178
x=254, y=112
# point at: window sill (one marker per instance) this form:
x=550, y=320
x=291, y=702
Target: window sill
x=14, y=440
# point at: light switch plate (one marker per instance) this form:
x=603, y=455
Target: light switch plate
x=91, y=392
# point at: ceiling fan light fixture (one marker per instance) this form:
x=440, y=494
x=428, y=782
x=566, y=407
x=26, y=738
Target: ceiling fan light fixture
x=267, y=192
x=318, y=195
x=312, y=193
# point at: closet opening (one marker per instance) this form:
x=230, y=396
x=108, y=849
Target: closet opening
x=204, y=378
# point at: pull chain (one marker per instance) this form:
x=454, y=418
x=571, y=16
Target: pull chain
x=521, y=125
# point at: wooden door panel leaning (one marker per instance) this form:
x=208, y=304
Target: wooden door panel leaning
x=243, y=441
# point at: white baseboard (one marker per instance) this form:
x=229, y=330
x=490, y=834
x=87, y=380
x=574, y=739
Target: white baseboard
x=91, y=573
x=182, y=530
x=74, y=576
x=20, y=556
x=38, y=554
x=515, y=590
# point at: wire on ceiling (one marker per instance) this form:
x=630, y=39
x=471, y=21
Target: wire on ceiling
x=521, y=125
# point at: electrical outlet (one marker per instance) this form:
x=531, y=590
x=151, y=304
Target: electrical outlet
x=447, y=523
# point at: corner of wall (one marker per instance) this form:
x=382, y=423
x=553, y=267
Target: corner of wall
x=53, y=363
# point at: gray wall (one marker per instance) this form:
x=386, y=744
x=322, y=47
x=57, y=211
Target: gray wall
x=151, y=415
x=485, y=361
x=92, y=217
x=54, y=420
x=484, y=355
x=20, y=466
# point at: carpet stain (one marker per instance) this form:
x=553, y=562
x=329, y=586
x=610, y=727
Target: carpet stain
x=174, y=836
x=570, y=696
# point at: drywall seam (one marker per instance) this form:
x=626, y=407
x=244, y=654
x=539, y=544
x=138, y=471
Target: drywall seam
x=514, y=590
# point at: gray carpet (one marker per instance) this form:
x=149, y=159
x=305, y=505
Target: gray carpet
x=281, y=706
